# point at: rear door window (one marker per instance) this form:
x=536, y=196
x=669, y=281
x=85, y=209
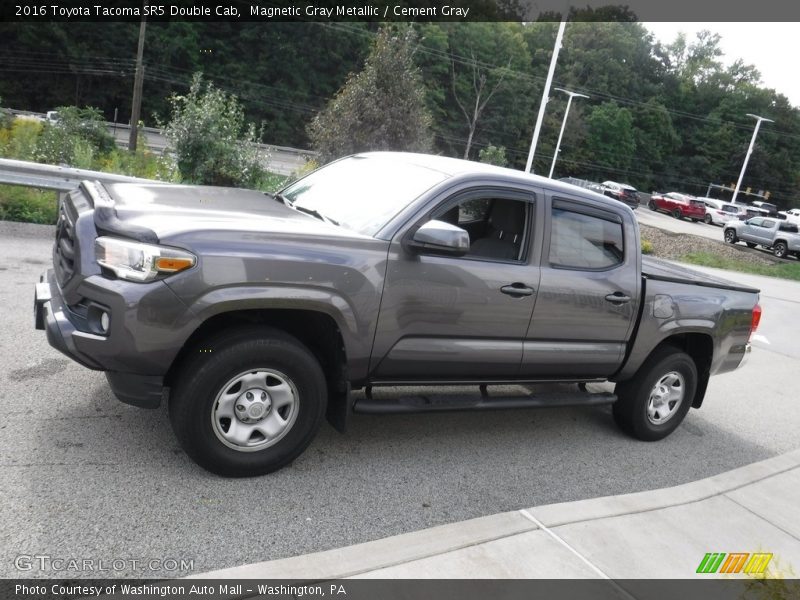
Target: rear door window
x=583, y=241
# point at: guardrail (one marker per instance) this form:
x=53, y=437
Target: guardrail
x=53, y=177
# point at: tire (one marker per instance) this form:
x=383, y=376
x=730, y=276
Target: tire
x=780, y=250
x=751, y=244
x=708, y=220
x=652, y=205
x=655, y=401
x=676, y=212
x=730, y=236
x=258, y=367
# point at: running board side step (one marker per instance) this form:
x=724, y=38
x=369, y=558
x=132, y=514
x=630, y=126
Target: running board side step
x=436, y=403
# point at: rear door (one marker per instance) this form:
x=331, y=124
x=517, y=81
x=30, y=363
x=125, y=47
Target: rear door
x=588, y=292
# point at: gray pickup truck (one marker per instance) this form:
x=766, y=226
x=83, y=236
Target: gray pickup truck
x=774, y=234
x=254, y=316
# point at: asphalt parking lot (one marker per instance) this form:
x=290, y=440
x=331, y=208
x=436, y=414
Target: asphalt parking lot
x=87, y=477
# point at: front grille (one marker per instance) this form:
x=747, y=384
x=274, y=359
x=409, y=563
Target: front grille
x=64, y=254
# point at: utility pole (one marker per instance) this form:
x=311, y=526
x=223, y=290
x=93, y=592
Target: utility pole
x=563, y=124
x=546, y=93
x=749, y=152
x=136, y=109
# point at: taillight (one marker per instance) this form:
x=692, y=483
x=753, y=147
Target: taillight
x=755, y=319
x=721, y=212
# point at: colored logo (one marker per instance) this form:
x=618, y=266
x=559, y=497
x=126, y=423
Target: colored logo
x=735, y=562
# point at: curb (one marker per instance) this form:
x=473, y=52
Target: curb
x=387, y=552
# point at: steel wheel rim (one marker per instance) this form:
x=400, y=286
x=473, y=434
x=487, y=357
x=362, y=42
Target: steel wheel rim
x=255, y=410
x=666, y=397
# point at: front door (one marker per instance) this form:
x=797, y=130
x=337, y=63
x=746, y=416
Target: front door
x=461, y=318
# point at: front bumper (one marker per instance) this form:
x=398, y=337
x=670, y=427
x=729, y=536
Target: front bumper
x=126, y=360
x=50, y=314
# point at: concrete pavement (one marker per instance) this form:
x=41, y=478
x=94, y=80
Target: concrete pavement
x=659, y=534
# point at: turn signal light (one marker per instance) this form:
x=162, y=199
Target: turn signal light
x=166, y=264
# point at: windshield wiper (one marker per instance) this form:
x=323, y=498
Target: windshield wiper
x=314, y=213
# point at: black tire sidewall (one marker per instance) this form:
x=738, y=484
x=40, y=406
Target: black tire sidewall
x=192, y=403
x=630, y=410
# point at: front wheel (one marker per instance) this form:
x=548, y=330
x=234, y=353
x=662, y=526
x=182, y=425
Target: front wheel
x=653, y=403
x=248, y=402
x=652, y=205
x=707, y=219
x=781, y=250
x=730, y=236
x=677, y=213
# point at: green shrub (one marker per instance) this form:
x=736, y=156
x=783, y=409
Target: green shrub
x=75, y=138
x=21, y=139
x=210, y=139
x=27, y=204
x=493, y=155
x=647, y=246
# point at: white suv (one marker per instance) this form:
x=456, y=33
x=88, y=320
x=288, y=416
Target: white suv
x=719, y=212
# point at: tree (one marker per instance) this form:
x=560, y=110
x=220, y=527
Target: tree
x=476, y=74
x=380, y=108
x=212, y=143
x=611, y=140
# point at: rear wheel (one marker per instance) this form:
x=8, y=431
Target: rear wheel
x=248, y=402
x=655, y=401
x=781, y=250
x=707, y=219
x=730, y=236
x=652, y=205
x=676, y=212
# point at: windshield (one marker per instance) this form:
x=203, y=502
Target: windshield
x=361, y=193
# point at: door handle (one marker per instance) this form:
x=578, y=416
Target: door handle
x=517, y=290
x=618, y=298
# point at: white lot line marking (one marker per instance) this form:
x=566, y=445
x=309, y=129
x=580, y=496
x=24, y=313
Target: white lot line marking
x=585, y=560
x=761, y=338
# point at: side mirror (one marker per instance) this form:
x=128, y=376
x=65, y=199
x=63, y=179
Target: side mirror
x=440, y=238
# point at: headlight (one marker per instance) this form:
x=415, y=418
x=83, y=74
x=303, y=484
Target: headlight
x=140, y=262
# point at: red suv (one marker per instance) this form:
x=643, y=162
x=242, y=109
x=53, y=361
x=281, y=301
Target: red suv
x=678, y=205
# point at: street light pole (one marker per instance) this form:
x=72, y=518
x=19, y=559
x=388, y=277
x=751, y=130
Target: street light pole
x=749, y=152
x=563, y=125
x=546, y=93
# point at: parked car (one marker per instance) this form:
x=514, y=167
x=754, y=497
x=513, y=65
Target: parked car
x=779, y=236
x=752, y=211
x=622, y=192
x=584, y=183
x=678, y=205
x=771, y=209
x=719, y=212
x=254, y=316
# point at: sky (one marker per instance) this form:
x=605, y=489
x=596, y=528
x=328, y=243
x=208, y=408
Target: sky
x=773, y=48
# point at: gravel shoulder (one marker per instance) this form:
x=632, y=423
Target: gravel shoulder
x=675, y=246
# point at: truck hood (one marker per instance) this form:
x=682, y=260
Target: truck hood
x=653, y=268
x=159, y=212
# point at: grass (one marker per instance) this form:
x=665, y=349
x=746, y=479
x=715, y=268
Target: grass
x=790, y=269
x=28, y=205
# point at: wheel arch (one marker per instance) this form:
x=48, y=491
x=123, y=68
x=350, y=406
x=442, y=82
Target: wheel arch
x=317, y=330
x=700, y=347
